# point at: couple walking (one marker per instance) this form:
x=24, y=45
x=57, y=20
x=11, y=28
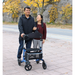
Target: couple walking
x=27, y=25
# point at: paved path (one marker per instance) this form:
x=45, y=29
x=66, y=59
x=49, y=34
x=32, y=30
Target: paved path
x=57, y=54
x=66, y=32
x=63, y=34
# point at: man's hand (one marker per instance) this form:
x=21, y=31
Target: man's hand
x=22, y=35
x=34, y=28
x=43, y=41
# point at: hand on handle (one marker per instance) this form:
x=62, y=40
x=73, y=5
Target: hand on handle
x=22, y=35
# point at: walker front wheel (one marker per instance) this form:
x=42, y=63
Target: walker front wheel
x=28, y=67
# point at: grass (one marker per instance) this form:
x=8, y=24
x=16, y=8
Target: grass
x=66, y=26
x=10, y=23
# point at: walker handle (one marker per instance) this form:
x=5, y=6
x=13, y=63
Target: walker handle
x=24, y=36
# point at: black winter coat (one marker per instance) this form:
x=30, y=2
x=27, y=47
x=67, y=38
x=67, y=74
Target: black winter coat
x=25, y=25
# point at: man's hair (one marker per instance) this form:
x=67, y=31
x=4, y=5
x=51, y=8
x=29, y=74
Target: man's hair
x=26, y=7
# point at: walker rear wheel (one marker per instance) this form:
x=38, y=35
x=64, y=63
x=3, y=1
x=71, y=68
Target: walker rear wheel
x=37, y=62
x=44, y=65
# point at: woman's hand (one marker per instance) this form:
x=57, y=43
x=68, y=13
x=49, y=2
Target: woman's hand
x=43, y=41
x=34, y=28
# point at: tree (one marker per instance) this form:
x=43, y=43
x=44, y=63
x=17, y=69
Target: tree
x=36, y=3
x=66, y=12
x=53, y=12
x=34, y=12
x=13, y=7
x=39, y=4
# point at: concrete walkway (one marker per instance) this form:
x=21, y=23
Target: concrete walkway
x=63, y=34
x=57, y=55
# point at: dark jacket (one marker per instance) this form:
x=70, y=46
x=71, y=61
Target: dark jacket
x=25, y=25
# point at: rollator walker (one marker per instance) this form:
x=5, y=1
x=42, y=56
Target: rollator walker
x=32, y=53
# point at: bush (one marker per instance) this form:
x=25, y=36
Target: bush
x=12, y=22
x=50, y=23
x=66, y=12
x=53, y=12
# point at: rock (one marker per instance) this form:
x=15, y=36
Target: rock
x=8, y=18
x=59, y=19
x=46, y=14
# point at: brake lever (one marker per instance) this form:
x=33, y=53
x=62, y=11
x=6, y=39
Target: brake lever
x=23, y=36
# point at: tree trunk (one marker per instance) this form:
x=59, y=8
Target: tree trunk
x=16, y=19
x=38, y=10
x=42, y=7
x=66, y=20
x=13, y=19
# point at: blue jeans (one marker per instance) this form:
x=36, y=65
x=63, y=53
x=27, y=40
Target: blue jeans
x=28, y=45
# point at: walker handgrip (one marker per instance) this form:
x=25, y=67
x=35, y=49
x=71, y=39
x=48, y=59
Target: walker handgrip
x=25, y=36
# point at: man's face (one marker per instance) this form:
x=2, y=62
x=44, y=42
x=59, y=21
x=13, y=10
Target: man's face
x=27, y=11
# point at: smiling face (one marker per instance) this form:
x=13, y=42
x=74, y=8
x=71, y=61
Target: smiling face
x=27, y=11
x=39, y=18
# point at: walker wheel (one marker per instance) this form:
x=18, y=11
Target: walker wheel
x=37, y=62
x=44, y=65
x=28, y=67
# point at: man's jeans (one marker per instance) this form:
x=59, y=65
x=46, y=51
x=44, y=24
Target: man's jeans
x=28, y=45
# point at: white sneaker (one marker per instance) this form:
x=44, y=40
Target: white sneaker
x=40, y=62
x=34, y=60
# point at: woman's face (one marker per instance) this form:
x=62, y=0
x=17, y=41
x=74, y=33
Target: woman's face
x=39, y=18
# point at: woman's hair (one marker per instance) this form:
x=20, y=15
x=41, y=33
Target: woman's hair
x=41, y=20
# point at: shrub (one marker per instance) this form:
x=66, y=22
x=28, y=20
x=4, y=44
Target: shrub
x=53, y=13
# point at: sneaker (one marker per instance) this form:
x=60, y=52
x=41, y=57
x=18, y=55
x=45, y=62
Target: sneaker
x=34, y=60
x=40, y=62
x=19, y=59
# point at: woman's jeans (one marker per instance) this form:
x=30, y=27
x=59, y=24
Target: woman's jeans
x=28, y=45
x=36, y=43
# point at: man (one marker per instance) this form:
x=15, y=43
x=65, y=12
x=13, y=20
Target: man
x=25, y=25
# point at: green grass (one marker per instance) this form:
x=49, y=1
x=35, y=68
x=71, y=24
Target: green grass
x=68, y=26
x=10, y=23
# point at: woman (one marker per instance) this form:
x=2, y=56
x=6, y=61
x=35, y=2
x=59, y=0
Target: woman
x=41, y=27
